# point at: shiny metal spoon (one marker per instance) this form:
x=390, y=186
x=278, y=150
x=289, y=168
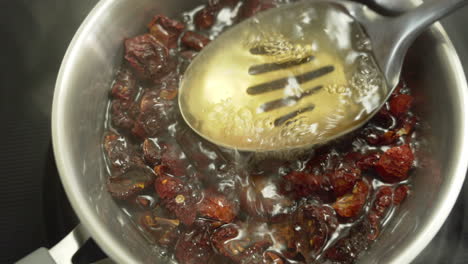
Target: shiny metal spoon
x=301, y=74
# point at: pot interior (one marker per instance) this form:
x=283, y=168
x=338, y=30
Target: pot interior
x=79, y=114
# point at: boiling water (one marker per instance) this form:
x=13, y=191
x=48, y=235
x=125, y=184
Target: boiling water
x=326, y=80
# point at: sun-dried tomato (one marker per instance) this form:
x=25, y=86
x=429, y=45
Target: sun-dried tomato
x=194, y=245
x=155, y=115
x=381, y=205
x=395, y=163
x=216, y=206
x=118, y=151
x=343, y=179
x=221, y=238
x=205, y=18
x=130, y=183
x=152, y=152
x=313, y=226
x=261, y=198
x=206, y=157
x=194, y=40
x=124, y=87
x=350, y=205
x=174, y=158
x=302, y=184
x=121, y=118
x=348, y=248
x=407, y=126
x=166, y=30
x=240, y=243
x=163, y=231
x=400, y=194
x=368, y=161
x=273, y=258
x=147, y=56
x=400, y=104
x=168, y=187
x=177, y=196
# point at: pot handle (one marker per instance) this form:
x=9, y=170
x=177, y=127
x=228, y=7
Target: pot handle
x=61, y=253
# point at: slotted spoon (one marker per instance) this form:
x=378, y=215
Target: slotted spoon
x=270, y=113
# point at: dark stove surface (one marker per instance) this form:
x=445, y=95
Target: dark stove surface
x=34, y=209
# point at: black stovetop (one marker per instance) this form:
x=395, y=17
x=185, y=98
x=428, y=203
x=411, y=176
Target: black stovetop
x=34, y=209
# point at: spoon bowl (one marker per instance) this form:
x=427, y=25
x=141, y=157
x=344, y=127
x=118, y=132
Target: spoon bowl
x=299, y=75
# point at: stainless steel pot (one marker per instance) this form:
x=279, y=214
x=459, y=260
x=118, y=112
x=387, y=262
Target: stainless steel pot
x=79, y=111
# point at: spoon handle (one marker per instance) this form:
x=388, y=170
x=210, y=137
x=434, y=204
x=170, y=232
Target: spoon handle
x=417, y=20
x=394, y=35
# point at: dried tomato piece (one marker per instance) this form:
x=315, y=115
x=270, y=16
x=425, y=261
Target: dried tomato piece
x=147, y=56
x=194, y=245
x=177, y=196
x=152, y=152
x=163, y=231
x=205, y=18
x=118, y=151
x=261, y=198
x=302, y=184
x=254, y=254
x=120, y=116
x=171, y=80
x=168, y=187
x=395, y=163
x=240, y=243
x=188, y=54
x=173, y=157
x=130, y=183
x=194, y=40
x=273, y=258
x=218, y=207
x=166, y=30
x=400, y=194
x=368, y=161
x=343, y=179
x=124, y=86
x=383, y=201
x=221, y=238
x=348, y=248
x=350, y=205
x=206, y=157
x=313, y=226
x=155, y=115
x=400, y=104
x=407, y=126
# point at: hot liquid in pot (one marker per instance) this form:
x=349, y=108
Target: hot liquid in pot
x=268, y=198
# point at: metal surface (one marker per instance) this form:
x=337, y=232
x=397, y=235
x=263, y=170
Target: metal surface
x=392, y=36
x=78, y=114
x=63, y=252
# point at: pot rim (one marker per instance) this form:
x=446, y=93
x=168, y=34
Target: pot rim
x=116, y=250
